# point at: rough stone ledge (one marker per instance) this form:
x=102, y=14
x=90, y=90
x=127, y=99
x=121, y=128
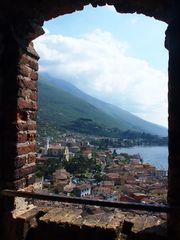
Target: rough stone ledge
x=67, y=222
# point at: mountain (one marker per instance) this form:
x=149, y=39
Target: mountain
x=60, y=108
x=103, y=113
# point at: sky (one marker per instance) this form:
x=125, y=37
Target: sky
x=118, y=58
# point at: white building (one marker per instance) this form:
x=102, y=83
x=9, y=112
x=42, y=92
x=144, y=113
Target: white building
x=82, y=190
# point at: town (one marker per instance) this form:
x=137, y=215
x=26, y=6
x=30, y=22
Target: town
x=73, y=166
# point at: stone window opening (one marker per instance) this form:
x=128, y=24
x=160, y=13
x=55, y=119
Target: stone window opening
x=60, y=17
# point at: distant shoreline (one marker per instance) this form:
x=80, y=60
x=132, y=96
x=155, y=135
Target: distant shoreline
x=155, y=155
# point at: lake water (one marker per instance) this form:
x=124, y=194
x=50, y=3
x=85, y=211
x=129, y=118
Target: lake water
x=155, y=155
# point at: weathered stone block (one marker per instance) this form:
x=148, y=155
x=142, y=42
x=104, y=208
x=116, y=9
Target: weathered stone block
x=22, y=116
x=29, y=61
x=30, y=125
x=25, y=82
x=32, y=115
x=31, y=136
x=25, y=149
x=19, y=184
x=22, y=137
x=20, y=161
x=31, y=179
x=25, y=71
x=24, y=93
x=27, y=170
x=24, y=171
x=31, y=158
x=34, y=75
x=34, y=95
x=26, y=104
x=31, y=50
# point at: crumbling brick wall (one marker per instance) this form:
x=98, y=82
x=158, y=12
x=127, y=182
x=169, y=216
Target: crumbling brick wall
x=26, y=117
x=19, y=104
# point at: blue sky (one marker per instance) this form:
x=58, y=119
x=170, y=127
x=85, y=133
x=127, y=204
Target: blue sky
x=119, y=58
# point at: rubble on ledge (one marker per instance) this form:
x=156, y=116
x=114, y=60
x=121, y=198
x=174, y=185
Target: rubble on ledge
x=81, y=223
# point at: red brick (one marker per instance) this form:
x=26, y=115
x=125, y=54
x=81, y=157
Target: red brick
x=30, y=48
x=31, y=136
x=24, y=171
x=22, y=104
x=31, y=125
x=25, y=82
x=22, y=116
x=25, y=70
x=31, y=158
x=34, y=96
x=26, y=104
x=20, y=161
x=27, y=60
x=34, y=105
x=33, y=115
x=27, y=170
x=34, y=75
x=21, y=150
x=25, y=93
x=19, y=184
x=22, y=137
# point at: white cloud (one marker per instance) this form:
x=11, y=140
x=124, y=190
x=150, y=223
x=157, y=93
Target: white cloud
x=111, y=8
x=99, y=64
x=46, y=31
x=134, y=21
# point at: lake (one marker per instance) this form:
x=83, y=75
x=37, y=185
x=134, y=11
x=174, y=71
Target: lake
x=155, y=155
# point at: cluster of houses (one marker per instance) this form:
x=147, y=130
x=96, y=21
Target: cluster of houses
x=123, y=177
x=128, y=184
x=66, y=148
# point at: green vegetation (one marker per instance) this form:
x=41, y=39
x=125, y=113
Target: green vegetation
x=112, y=116
x=81, y=166
x=50, y=166
x=129, y=139
x=59, y=108
x=61, y=111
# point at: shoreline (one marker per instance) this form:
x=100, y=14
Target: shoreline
x=155, y=155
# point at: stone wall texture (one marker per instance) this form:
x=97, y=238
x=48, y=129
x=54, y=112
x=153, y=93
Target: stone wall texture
x=160, y=9
x=19, y=118
x=66, y=222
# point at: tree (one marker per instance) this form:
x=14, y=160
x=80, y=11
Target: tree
x=77, y=165
x=50, y=166
x=114, y=154
x=80, y=165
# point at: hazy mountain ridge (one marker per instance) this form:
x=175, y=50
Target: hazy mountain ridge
x=105, y=114
x=60, y=108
